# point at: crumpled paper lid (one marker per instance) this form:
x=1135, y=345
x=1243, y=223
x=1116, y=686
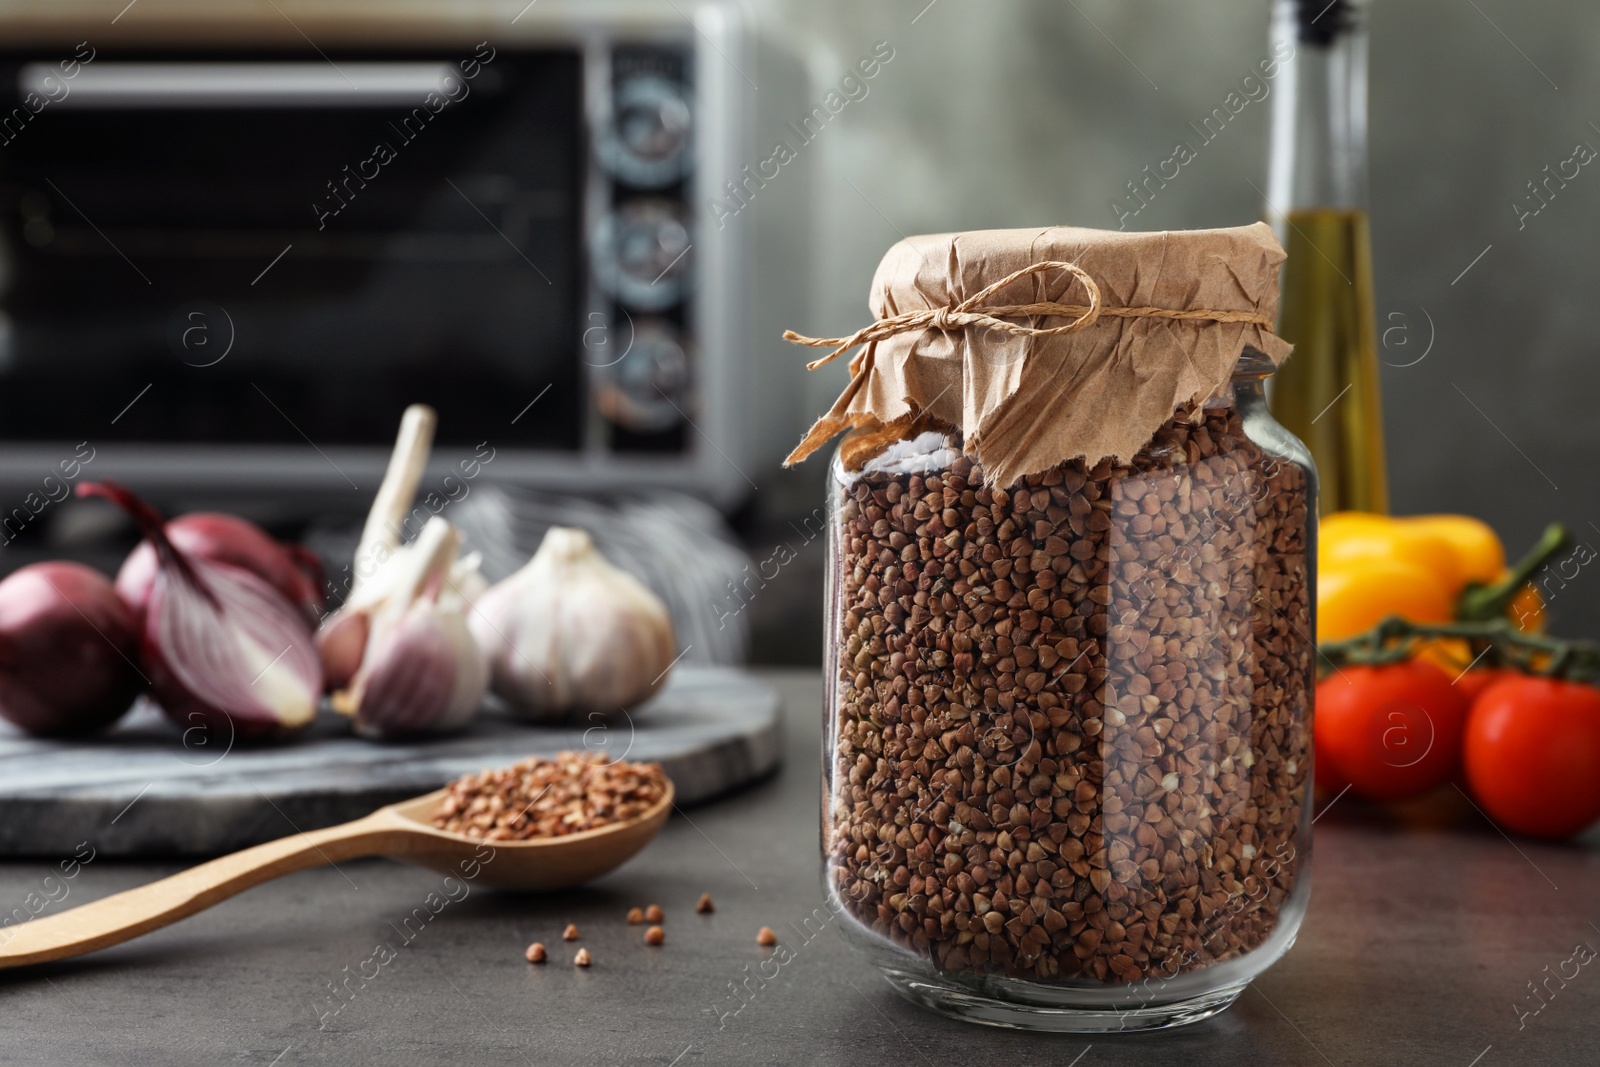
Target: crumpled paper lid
x=1026, y=402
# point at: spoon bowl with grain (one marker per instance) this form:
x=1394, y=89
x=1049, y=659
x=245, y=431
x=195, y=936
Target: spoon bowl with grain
x=403, y=831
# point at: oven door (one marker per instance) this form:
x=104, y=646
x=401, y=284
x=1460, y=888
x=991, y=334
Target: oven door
x=263, y=251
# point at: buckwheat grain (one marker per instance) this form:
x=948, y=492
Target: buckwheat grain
x=1072, y=717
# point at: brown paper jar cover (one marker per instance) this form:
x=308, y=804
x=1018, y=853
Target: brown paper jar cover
x=1024, y=404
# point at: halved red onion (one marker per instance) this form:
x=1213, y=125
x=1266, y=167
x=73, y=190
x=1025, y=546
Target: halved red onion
x=67, y=650
x=225, y=651
x=291, y=569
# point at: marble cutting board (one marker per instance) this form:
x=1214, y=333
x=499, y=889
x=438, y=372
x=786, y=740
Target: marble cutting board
x=147, y=789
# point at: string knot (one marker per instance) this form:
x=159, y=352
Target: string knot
x=976, y=311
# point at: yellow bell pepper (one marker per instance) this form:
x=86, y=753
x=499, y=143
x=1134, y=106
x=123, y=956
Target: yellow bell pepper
x=1373, y=566
x=1353, y=596
x=1477, y=548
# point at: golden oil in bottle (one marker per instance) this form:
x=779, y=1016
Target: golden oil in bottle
x=1327, y=392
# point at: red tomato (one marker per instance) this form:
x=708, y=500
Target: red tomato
x=1533, y=755
x=1394, y=731
x=1474, y=682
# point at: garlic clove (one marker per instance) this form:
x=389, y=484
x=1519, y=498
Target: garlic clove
x=419, y=666
x=410, y=679
x=427, y=674
x=570, y=633
x=341, y=641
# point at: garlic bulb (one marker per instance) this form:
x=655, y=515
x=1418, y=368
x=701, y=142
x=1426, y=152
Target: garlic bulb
x=400, y=649
x=571, y=633
x=398, y=656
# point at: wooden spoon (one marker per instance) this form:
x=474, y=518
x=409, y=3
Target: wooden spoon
x=403, y=831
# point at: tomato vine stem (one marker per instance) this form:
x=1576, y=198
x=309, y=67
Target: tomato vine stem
x=1494, y=642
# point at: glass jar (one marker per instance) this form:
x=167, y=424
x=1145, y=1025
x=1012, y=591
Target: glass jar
x=1068, y=750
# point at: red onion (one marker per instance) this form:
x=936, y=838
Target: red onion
x=291, y=569
x=67, y=649
x=224, y=649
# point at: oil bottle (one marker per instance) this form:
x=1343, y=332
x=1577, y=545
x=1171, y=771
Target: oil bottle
x=1327, y=394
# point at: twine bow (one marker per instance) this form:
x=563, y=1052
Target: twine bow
x=973, y=311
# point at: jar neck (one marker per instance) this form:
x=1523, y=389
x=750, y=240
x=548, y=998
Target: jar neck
x=1319, y=113
x=1250, y=374
x=1254, y=366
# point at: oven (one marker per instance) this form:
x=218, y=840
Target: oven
x=237, y=240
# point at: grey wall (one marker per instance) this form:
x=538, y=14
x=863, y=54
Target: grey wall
x=1022, y=112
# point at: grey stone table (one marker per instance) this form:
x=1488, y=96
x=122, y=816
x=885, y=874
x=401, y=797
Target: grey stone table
x=1426, y=928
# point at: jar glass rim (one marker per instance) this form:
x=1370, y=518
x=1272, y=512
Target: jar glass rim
x=1253, y=364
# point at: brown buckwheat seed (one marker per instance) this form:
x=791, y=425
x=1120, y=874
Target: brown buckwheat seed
x=654, y=914
x=704, y=906
x=1072, y=716
x=582, y=959
x=567, y=794
x=535, y=953
x=570, y=933
x=635, y=916
x=766, y=937
x=654, y=936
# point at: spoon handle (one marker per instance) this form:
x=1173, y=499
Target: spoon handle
x=114, y=919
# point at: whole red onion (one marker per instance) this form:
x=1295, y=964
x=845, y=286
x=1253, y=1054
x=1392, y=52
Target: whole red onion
x=290, y=569
x=67, y=649
x=225, y=651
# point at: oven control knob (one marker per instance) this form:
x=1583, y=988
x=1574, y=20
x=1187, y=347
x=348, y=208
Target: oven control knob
x=642, y=254
x=645, y=390
x=646, y=143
